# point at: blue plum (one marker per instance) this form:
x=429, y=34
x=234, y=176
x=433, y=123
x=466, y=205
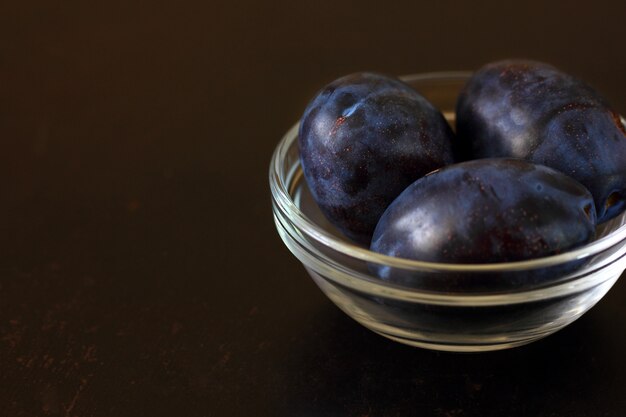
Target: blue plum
x=486, y=211
x=363, y=139
x=531, y=110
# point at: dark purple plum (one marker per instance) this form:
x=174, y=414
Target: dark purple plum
x=486, y=211
x=531, y=110
x=363, y=139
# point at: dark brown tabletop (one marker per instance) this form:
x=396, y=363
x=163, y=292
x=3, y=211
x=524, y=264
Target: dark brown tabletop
x=140, y=270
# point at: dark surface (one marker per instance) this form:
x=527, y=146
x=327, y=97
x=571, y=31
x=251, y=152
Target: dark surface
x=141, y=274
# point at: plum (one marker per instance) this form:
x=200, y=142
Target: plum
x=531, y=110
x=363, y=139
x=486, y=211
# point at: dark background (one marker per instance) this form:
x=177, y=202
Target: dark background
x=140, y=271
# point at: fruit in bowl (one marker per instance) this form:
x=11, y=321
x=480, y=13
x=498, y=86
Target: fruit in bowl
x=363, y=139
x=446, y=305
x=533, y=111
x=366, y=137
x=487, y=210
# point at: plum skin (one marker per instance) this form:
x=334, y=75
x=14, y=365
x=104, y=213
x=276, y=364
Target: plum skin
x=363, y=139
x=531, y=110
x=486, y=211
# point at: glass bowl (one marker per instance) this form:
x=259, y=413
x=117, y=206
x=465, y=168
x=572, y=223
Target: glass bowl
x=453, y=307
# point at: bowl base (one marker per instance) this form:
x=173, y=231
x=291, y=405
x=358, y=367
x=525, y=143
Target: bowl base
x=460, y=348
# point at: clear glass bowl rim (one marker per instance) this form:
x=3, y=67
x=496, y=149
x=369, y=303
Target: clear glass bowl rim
x=282, y=198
